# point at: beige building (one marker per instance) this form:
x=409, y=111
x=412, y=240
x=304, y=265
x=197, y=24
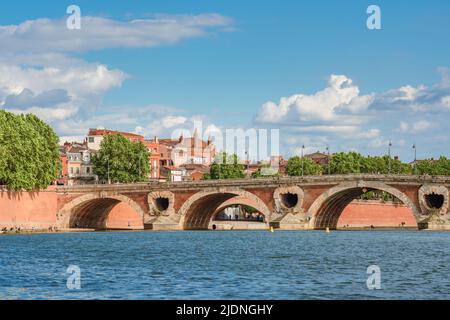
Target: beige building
x=181, y=151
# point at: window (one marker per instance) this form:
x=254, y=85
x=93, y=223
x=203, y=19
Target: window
x=78, y=170
x=88, y=170
x=71, y=170
x=91, y=139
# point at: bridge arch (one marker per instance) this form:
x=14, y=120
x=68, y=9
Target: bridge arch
x=328, y=207
x=198, y=210
x=91, y=210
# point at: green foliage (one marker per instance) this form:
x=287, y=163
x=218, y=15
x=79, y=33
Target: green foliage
x=380, y=165
x=225, y=167
x=434, y=167
x=346, y=162
x=294, y=167
x=29, y=152
x=353, y=162
x=127, y=161
x=248, y=209
x=265, y=171
x=379, y=195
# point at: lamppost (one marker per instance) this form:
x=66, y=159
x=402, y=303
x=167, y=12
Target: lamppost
x=140, y=157
x=303, y=148
x=389, y=155
x=328, y=160
x=248, y=163
x=109, y=180
x=415, y=158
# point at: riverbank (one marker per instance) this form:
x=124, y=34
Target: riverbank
x=44, y=231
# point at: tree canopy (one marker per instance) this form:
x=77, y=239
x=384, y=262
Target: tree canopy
x=434, y=167
x=353, y=162
x=225, y=167
x=265, y=170
x=125, y=161
x=29, y=152
x=294, y=167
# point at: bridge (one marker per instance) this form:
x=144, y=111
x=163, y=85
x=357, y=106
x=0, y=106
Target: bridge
x=295, y=203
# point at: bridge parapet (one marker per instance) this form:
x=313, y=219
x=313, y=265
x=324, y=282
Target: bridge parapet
x=260, y=182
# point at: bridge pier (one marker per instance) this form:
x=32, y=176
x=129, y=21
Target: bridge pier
x=163, y=223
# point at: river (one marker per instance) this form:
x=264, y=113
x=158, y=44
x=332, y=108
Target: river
x=226, y=265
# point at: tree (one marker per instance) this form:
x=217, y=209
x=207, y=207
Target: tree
x=346, y=162
x=225, y=167
x=265, y=171
x=380, y=165
x=434, y=167
x=310, y=168
x=121, y=160
x=29, y=152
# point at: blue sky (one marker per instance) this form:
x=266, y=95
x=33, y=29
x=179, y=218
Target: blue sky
x=223, y=61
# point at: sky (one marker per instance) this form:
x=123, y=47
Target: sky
x=311, y=69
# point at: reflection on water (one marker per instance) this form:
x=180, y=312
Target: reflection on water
x=226, y=265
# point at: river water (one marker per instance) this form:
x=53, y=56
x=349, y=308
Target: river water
x=226, y=265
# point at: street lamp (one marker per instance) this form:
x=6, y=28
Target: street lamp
x=248, y=163
x=303, y=172
x=109, y=180
x=328, y=160
x=140, y=157
x=389, y=155
x=415, y=158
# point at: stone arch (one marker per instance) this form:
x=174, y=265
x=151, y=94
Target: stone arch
x=327, y=208
x=198, y=210
x=239, y=201
x=91, y=210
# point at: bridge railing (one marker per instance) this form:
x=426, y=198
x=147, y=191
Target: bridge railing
x=321, y=179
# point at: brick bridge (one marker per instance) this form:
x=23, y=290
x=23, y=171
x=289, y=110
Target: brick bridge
x=313, y=202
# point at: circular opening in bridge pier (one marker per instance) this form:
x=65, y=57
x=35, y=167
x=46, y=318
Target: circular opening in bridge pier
x=162, y=204
x=289, y=200
x=434, y=201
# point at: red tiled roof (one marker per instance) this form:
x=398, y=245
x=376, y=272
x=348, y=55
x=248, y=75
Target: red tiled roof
x=103, y=132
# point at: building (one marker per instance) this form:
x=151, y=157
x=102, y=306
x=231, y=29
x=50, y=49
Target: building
x=182, y=151
x=153, y=147
x=174, y=174
x=63, y=173
x=76, y=163
x=195, y=172
x=319, y=157
x=95, y=137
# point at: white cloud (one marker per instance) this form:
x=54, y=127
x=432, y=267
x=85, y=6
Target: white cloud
x=324, y=105
x=446, y=101
x=49, y=114
x=404, y=127
x=421, y=125
x=38, y=75
x=45, y=35
x=407, y=93
x=415, y=127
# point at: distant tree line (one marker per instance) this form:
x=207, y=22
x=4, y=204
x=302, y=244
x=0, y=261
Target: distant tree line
x=353, y=162
x=229, y=166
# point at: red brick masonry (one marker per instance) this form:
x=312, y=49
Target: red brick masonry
x=38, y=210
x=363, y=214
